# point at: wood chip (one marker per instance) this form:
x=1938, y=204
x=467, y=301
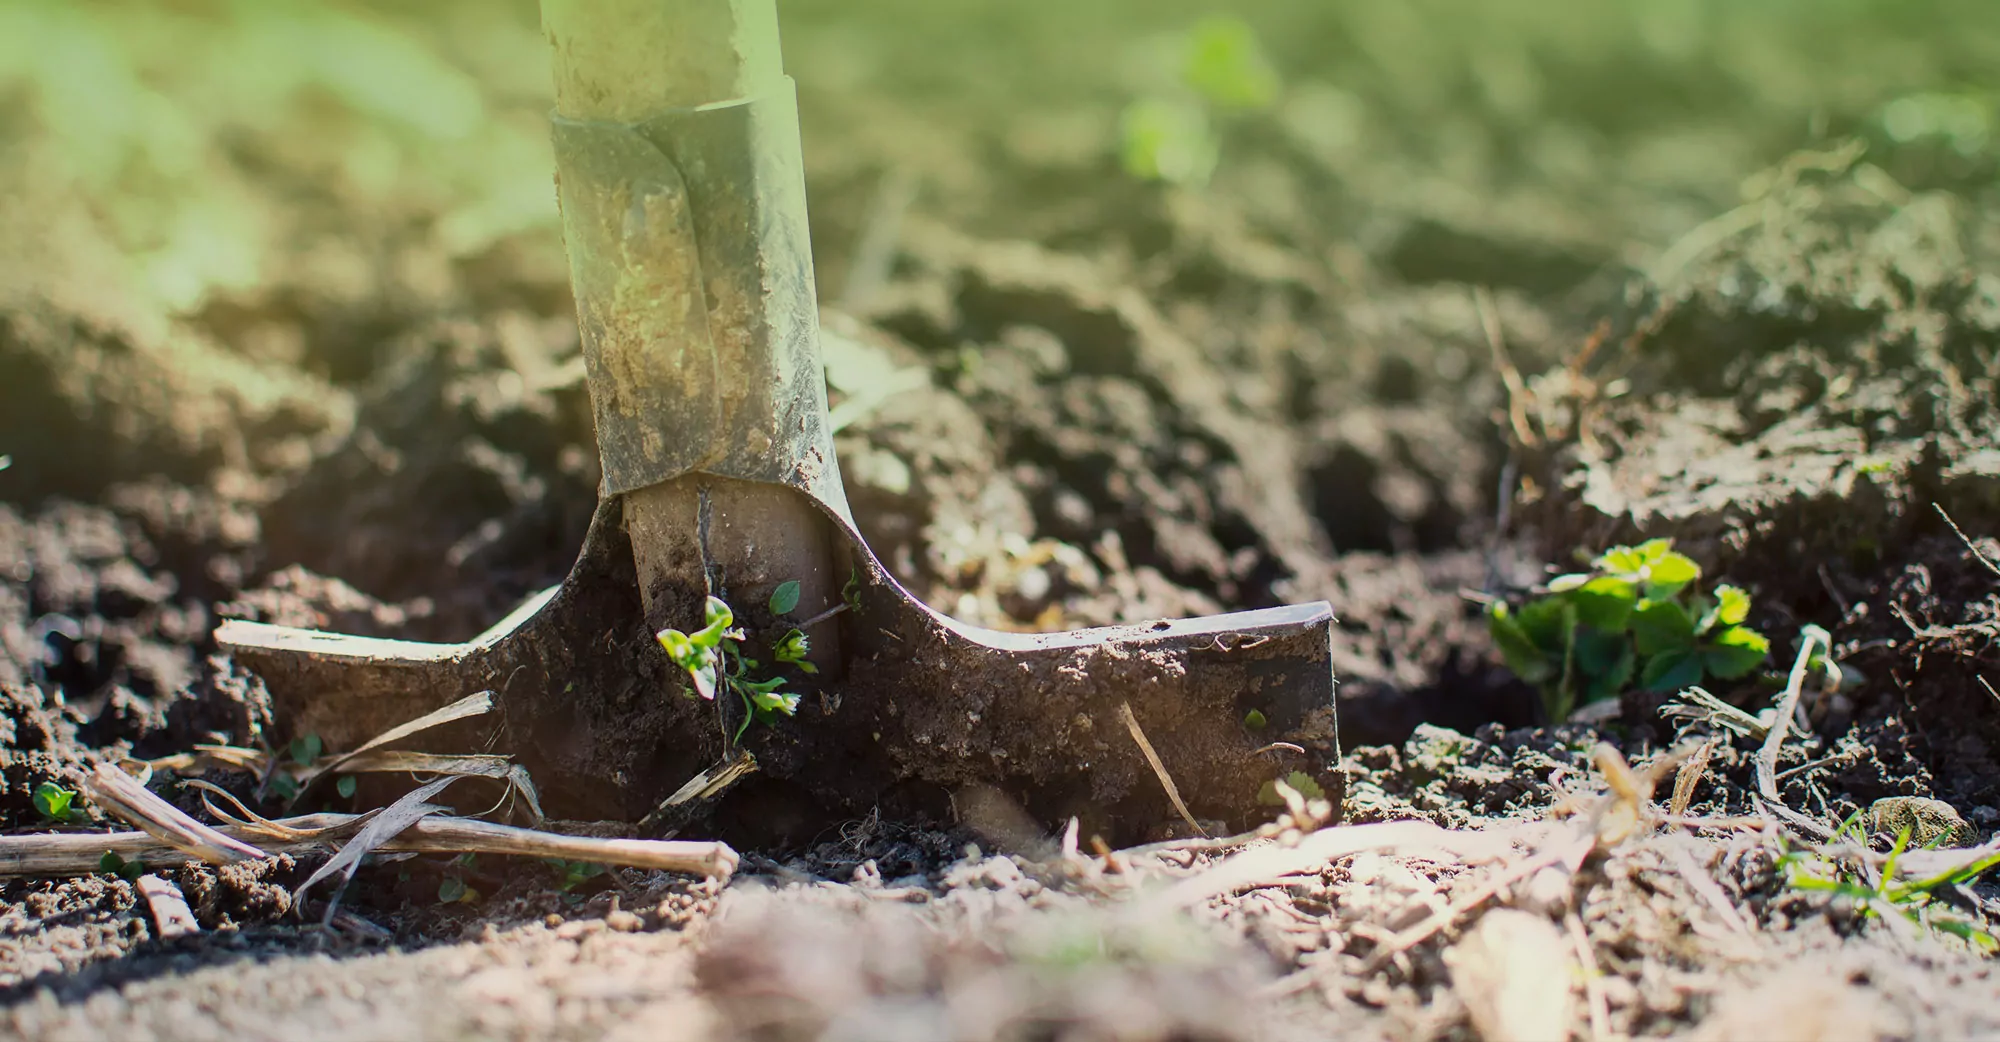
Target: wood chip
x=171, y=915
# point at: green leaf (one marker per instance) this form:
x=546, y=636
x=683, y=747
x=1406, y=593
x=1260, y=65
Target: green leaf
x=1623, y=561
x=1660, y=626
x=1523, y=656
x=1604, y=602
x=1666, y=575
x=1548, y=623
x=785, y=597
x=451, y=890
x=54, y=802
x=1566, y=583
x=703, y=676
x=716, y=615
x=1607, y=663
x=1303, y=784
x=284, y=786
x=111, y=863
x=305, y=749
x=345, y=786
x=1736, y=651
x=1255, y=721
x=1671, y=671
x=1732, y=605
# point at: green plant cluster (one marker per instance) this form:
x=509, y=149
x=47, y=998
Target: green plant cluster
x=1636, y=614
x=713, y=661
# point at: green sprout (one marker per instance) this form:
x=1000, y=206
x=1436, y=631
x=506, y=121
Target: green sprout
x=346, y=786
x=711, y=660
x=55, y=803
x=1885, y=896
x=1637, y=612
x=452, y=889
x=1300, y=782
x=574, y=873
x=1224, y=63
x=1172, y=136
x=850, y=594
x=306, y=748
x=112, y=864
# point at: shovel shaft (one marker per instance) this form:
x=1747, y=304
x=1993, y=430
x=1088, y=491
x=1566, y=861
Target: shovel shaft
x=683, y=199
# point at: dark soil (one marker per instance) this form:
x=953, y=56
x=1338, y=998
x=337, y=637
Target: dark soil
x=1753, y=311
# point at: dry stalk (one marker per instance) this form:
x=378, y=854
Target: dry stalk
x=1767, y=759
x=124, y=796
x=79, y=853
x=1689, y=776
x=1159, y=768
x=1593, y=978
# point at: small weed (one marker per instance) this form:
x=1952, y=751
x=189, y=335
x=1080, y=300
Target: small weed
x=711, y=658
x=850, y=594
x=1300, y=782
x=452, y=889
x=1255, y=720
x=56, y=803
x=112, y=864
x=345, y=786
x=306, y=749
x=1637, y=612
x=284, y=787
x=573, y=873
x=1883, y=895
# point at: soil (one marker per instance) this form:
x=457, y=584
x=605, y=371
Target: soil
x=309, y=357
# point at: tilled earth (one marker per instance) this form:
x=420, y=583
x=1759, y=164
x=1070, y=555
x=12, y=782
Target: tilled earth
x=1750, y=309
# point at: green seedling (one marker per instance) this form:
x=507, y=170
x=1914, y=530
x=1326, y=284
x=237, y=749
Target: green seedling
x=1223, y=62
x=1636, y=615
x=1885, y=895
x=306, y=749
x=452, y=889
x=345, y=786
x=284, y=787
x=112, y=864
x=791, y=649
x=1300, y=782
x=712, y=661
x=1255, y=720
x=56, y=803
x=1172, y=136
x=850, y=594
x=573, y=873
